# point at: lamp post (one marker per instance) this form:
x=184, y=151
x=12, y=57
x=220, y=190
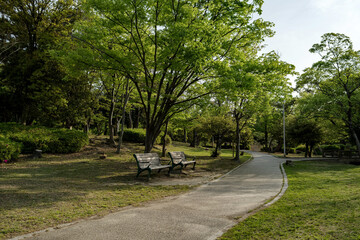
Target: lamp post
x=284, y=128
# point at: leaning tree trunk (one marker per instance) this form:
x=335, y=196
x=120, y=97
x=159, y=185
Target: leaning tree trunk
x=110, y=122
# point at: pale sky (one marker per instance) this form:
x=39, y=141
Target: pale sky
x=300, y=23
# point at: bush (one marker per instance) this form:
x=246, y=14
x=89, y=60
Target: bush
x=46, y=139
x=9, y=150
x=332, y=147
x=35, y=138
x=136, y=135
x=67, y=141
x=301, y=148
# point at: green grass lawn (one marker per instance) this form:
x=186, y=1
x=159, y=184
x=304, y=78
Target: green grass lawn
x=322, y=202
x=36, y=194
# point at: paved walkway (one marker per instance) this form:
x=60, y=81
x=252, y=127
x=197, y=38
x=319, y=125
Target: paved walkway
x=205, y=213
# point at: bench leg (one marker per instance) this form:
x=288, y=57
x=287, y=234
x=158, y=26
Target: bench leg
x=149, y=174
x=194, y=166
x=138, y=173
x=170, y=169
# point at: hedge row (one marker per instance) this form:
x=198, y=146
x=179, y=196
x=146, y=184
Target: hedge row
x=46, y=139
x=137, y=135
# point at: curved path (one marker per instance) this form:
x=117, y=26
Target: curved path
x=205, y=213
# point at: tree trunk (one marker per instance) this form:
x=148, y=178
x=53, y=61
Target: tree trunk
x=110, y=122
x=356, y=139
x=137, y=118
x=194, y=140
x=126, y=96
x=306, y=149
x=164, y=140
x=237, y=147
x=217, y=147
x=311, y=149
x=130, y=120
x=185, y=136
x=266, y=138
x=150, y=138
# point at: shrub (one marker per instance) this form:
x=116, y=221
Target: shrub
x=332, y=147
x=301, y=148
x=67, y=141
x=46, y=139
x=35, y=138
x=9, y=150
x=136, y=135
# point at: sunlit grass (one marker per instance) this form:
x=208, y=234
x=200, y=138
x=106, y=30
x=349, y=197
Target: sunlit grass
x=322, y=202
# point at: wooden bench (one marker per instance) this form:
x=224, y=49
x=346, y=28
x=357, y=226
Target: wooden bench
x=149, y=162
x=179, y=158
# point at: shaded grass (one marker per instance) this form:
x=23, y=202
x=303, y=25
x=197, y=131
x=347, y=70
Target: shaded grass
x=36, y=194
x=322, y=202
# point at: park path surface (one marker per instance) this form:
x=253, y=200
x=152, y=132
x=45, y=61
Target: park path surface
x=204, y=213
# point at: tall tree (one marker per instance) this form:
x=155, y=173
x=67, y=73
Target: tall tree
x=170, y=50
x=335, y=81
x=29, y=28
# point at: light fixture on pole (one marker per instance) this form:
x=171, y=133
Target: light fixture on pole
x=284, y=128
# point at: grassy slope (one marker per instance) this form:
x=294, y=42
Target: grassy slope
x=35, y=194
x=322, y=202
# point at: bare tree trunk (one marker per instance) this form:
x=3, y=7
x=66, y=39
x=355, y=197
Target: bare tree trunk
x=164, y=140
x=237, y=147
x=137, y=118
x=194, y=141
x=130, y=120
x=126, y=99
x=185, y=136
x=267, y=148
x=306, y=149
x=110, y=122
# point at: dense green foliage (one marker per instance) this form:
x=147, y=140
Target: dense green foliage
x=9, y=150
x=330, y=89
x=46, y=139
x=134, y=135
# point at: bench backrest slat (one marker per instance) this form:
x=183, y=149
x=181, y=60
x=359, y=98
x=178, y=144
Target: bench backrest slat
x=177, y=157
x=144, y=159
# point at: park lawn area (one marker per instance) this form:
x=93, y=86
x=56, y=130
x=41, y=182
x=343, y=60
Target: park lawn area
x=40, y=193
x=322, y=202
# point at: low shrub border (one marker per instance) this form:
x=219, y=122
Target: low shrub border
x=48, y=140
